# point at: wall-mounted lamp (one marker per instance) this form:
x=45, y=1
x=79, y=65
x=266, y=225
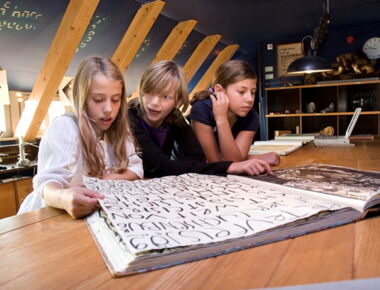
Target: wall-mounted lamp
x=311, y=63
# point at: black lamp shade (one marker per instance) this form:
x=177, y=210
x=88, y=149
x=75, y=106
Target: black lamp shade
x=308, y=64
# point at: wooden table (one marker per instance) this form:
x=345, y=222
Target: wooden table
x=47, y=249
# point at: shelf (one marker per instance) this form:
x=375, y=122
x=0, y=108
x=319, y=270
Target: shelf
x=364, y=82
x=345, y=96
x=321, y=114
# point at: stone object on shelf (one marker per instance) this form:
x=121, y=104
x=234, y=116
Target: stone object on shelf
x=329, y=109
x=311, y=107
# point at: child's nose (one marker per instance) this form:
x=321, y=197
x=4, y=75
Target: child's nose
x=107, y=107
x=156, y=100
x=250, y=97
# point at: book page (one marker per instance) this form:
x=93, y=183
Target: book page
x=193, y=209
x=328, y=179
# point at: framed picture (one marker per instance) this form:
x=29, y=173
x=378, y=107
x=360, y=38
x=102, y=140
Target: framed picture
x=286, y=54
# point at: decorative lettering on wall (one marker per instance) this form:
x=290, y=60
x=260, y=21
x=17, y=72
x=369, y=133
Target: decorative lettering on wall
x=92, y=28
x=183, y=46
x=18, y=18
x=143, y=47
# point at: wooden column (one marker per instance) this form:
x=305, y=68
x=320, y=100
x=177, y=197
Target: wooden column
x=222, y=57
x=4, y=105
x=199, y=55
x=70, y=31
x=4, y=92
x=136, y=33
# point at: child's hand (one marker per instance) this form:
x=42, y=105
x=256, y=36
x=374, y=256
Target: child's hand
x=220, y=105
x=249, y=167
x=80, y=201
x=271, y=157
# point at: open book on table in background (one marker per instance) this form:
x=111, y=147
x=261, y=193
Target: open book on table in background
x=279, y=147
x=150, y=224
x=305, y=138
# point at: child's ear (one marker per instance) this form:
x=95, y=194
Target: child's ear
x=218, y=88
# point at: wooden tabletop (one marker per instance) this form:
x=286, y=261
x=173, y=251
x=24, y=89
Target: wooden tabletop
x=47, y=249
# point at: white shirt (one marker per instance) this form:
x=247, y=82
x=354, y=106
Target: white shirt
x=60, y=160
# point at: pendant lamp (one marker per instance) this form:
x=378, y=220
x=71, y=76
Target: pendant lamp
x=311, y=63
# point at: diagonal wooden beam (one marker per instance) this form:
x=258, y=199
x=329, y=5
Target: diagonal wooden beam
x=172, y=43
x=199, y=55
x=70, y=31
x=136, y=33
x=175, y=40
x=222, y=57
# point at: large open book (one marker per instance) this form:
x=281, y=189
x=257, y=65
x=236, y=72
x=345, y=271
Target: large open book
x=150, y=224
x=279, y=147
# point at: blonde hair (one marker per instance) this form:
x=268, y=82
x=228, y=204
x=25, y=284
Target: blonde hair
x=119, y=130
x=162, y=77
x=228, y=73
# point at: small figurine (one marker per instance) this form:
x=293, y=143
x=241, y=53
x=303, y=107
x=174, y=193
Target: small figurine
x=328, y=131
x=311, y=107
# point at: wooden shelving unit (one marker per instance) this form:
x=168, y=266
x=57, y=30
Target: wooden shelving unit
x=342, y=94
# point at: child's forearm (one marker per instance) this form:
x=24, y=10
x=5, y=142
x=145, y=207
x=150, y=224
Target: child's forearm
x=52, y=194
x=126, y=175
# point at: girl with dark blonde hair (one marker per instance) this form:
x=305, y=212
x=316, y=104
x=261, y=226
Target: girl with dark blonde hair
x=168, y=144
x=95, y=141
x=223, y=117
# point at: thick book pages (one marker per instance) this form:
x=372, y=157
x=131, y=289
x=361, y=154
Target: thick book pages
x=279, y=147
x=305, y=138
x=150, y=224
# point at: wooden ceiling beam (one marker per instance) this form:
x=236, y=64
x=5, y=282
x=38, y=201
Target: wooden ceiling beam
x=199, y=55
x=172, y=44
x=136, y=33
x=175, y=40
x=67, y=38
x=221, y=58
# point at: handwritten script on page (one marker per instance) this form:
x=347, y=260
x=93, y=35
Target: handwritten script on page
x=194, y=209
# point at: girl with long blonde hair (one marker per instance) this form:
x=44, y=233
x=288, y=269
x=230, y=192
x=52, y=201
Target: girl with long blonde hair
x=95, y=141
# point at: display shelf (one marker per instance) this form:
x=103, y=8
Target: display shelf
x=344, y=95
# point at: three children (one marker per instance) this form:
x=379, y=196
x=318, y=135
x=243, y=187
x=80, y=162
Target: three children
x=98, y=139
